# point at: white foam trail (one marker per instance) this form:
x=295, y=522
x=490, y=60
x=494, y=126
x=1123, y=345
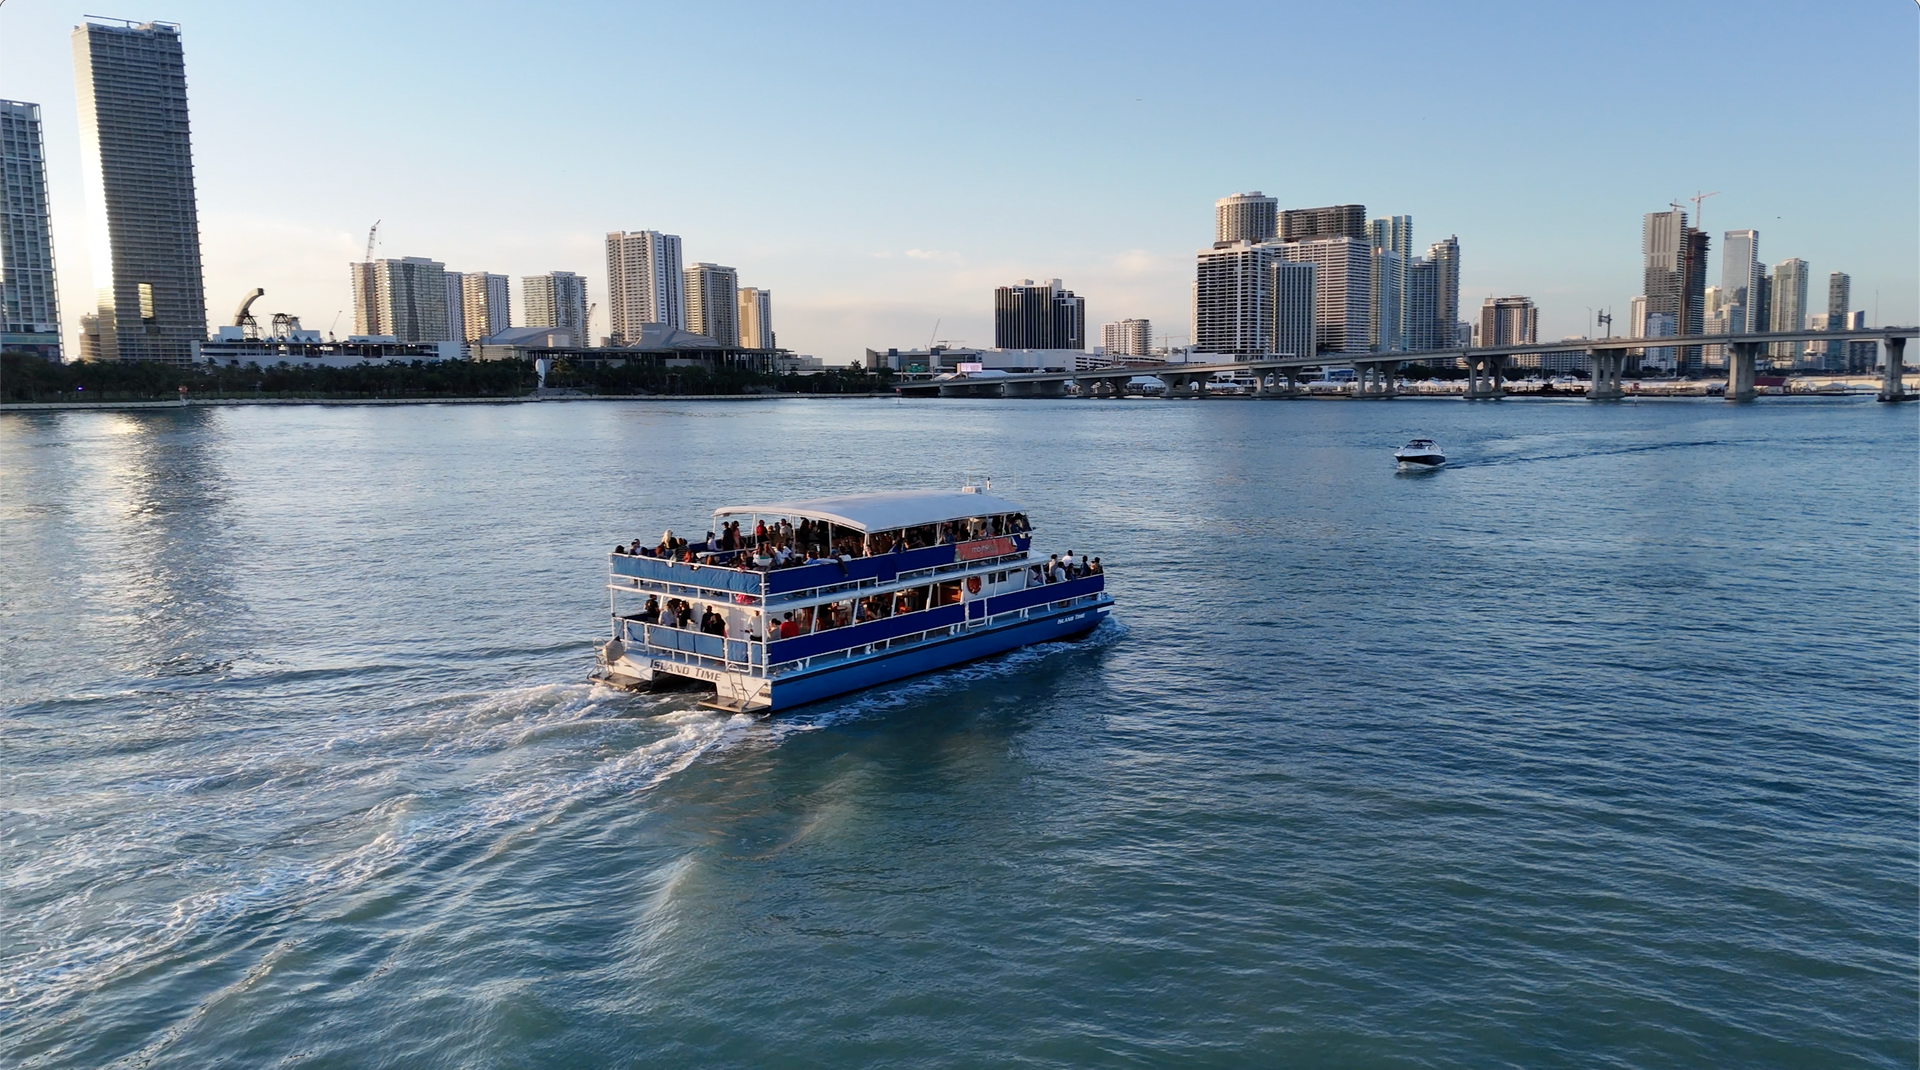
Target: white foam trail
x=526, y=736
x=520, y=744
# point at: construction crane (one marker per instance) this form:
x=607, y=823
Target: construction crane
x=587, y=327
x=243, y=316
x=371, y=231
x=1700, y=209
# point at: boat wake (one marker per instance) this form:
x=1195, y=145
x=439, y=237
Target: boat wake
x=164, y=866
x=167, y=871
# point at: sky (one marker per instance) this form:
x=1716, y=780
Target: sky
x=882, y=167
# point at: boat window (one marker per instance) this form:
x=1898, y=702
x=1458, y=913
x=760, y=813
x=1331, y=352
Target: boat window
x=847, y=541
x=833, y=615
x=948, y=594
x=873, y=607
x=911, y=600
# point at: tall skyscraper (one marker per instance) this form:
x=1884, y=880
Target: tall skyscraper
x=1720, y=319
x=404, y=298
x=457, y=304
x=1038, y=315
x=1127, y=338
x=137, y=159
x=713, y=302
x=29, y=296
x=1250, y=300
x=1445, y=255
x=1789, y=294
x=1509, y=321
x=644, y=283
x=484, y=302
x=1393, y=234
x=556, y=299
x=1245, y=217
x=756, y=318
x=1839, y=317
x=1389, y=301
x=1740, y=275
x=1675, y=277
x=1422, y=306
x=1313, y=224
x=1343, y=291
x=1294, y=303
x=1233, y=299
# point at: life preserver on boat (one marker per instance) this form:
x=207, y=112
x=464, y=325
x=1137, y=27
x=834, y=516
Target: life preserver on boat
x=973, y=585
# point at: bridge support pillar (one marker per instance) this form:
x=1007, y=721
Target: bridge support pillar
x=1483, y=377
x=1606, y=367
x=1740, y=361
x=1375, y=378
x=1892, y=386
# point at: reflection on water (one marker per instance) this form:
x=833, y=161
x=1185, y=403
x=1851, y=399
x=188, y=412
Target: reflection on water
x=1599, y=741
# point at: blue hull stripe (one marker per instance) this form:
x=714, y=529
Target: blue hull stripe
x=788, y=693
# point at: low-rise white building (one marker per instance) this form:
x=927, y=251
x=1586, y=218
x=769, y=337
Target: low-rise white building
x=301, y=348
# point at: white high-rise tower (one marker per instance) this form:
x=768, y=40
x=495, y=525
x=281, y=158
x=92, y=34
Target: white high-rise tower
x=556, y=299
x=644, y=283
x=1245, y=217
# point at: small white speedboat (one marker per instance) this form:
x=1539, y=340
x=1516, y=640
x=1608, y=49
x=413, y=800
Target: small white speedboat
x=1420, y=454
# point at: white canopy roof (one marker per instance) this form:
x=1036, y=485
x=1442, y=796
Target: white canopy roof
x=885, y=511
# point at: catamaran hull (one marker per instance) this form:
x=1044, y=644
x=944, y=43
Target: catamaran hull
x=755, y=694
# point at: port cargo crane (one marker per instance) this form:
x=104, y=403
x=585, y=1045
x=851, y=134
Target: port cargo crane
x=243, y=316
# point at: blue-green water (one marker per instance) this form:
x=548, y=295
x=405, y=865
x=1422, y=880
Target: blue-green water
x=1596, y=748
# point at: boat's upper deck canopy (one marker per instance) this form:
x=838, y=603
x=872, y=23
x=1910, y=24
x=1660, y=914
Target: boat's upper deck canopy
x=885, y=511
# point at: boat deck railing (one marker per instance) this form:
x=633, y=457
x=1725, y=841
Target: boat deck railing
x=694, y=579
x=757, y=656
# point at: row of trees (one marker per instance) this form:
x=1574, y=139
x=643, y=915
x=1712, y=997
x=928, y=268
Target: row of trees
x=28, y=378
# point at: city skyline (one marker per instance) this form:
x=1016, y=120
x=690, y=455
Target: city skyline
x=860, y=261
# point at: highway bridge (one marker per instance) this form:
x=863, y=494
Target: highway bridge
x=1375, y=373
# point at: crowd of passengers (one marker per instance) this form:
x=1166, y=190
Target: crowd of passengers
x=679, y=613
x=784, y=544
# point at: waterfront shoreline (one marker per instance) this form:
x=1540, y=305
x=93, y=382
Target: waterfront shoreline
x=83, y=406
x=71, y=406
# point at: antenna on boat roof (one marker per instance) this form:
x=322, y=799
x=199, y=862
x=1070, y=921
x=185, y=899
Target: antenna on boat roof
x=970, y=485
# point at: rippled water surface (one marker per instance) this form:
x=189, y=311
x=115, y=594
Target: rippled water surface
x=1596, y=748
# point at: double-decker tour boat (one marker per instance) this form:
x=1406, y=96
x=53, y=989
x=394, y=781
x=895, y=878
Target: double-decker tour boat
x=792, y=602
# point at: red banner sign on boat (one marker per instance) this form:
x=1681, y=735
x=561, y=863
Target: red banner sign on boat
x=979, y=548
